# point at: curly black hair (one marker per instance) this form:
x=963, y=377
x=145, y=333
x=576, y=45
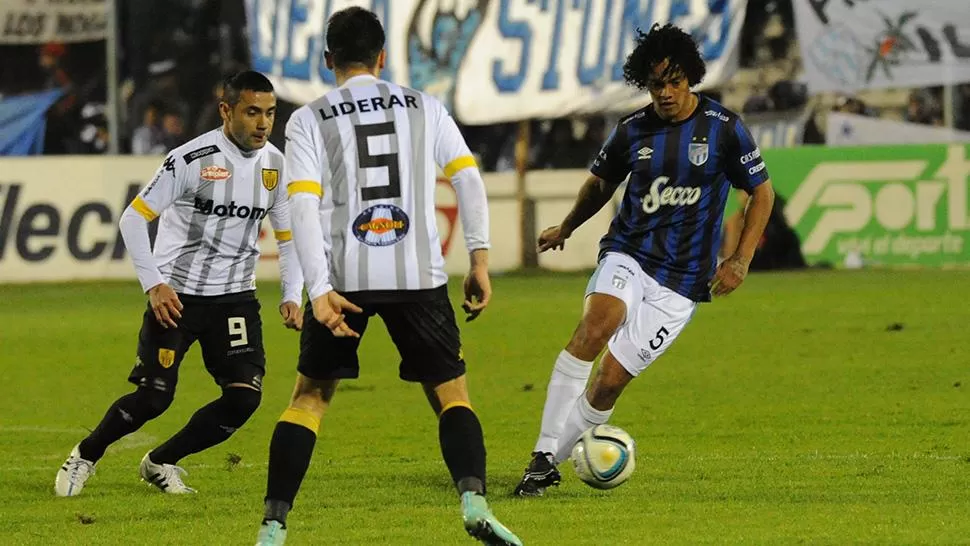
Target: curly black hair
x=661, y=43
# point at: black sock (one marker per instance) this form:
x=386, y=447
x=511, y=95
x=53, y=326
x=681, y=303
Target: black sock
x=211, y=425
x=290, y=452
x=463, y=448
x=125, y=416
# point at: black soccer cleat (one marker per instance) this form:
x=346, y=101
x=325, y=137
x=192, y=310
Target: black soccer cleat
x=540, y=474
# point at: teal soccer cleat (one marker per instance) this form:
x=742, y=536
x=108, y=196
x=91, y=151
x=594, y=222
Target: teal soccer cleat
x=482, y=524
x=271, y=533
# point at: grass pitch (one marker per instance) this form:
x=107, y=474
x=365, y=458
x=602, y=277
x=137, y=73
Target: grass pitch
x=822, y=408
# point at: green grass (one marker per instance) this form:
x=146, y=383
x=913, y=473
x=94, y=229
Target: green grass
x=786, y=413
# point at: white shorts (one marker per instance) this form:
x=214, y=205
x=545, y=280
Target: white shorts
x=655, y=314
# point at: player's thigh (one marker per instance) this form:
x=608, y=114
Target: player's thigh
x=161, y=350
x=427, y=338
x=324, y=356
x=617, y=276
x=659, y=320
x=232, y=344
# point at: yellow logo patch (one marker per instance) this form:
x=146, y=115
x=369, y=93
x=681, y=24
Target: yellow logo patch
x=166, y=357
x=271, y=178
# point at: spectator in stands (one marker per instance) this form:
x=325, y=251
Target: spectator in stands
x=148, y=139
x=560, y=149
x=173, y=128
x=922, y=108
x=208, y=118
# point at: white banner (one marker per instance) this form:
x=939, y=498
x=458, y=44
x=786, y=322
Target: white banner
x=778, y=129
x=493, y=61
x=855, y=130
x=851, y=45
x=63, y=227
x=41, y=21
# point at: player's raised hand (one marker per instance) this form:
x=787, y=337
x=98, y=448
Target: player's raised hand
x=329, y=309
x=292, y=315
x=165, y=304
x=730, y=274
x=552, y=238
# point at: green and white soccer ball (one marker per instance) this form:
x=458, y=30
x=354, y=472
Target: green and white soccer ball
x=604, y=456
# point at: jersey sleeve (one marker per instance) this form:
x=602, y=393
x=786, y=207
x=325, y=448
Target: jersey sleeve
x=165, y=188
x=612, y=163
x=451, y=152
x=745, y=167
x=279, y=214
x=303, y=167
x=291, y=276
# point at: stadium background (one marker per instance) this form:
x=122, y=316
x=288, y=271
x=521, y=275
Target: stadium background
x=822, y=406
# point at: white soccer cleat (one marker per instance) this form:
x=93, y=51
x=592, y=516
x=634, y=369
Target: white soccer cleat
x=73, y=474
x=166, y=477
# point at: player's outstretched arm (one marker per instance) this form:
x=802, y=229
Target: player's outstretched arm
x=594, y=194
x=732, y=271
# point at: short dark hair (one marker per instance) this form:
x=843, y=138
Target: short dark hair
x=354, y=36
x=247, y=80
x=662, y=43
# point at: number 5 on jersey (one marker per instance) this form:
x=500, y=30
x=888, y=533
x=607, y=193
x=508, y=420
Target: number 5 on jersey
x=366, y=160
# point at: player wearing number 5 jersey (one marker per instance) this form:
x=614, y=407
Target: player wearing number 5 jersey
x=682, y=154
x=210, y=195
x=361, y=171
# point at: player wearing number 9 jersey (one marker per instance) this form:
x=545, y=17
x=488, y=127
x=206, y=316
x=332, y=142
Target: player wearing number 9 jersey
x=210, y=196
x=361, y=165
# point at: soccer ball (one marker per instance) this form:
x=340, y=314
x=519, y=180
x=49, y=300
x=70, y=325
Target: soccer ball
x=604, y=456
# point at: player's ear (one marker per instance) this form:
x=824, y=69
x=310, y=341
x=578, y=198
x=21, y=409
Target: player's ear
x=225, y=111
x=328, y=58
x=381, y=59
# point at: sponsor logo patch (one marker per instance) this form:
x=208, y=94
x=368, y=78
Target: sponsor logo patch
x=381, y=225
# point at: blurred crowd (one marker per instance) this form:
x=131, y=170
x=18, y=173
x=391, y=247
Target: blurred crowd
x=170, y=85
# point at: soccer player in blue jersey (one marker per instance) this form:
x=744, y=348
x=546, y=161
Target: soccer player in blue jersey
x=682, y=153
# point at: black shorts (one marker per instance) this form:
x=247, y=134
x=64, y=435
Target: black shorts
x=421, y=324
x=229, y=331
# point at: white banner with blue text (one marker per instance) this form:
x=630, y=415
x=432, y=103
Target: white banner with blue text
x=494, y=61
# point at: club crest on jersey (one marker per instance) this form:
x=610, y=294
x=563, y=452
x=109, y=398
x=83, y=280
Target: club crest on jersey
x=271, y=177
x=697, y=154
x=214, y=173
x=381, y=225
x=166, y=357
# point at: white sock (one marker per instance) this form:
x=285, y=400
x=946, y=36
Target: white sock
x=567, y=383
x=581, y=418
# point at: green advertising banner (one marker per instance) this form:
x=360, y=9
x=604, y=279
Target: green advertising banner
x=895, y=205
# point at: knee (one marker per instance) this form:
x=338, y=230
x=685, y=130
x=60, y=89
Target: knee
x=153, y=403
x=602, y=316
x=590, y=338
x=241, y=403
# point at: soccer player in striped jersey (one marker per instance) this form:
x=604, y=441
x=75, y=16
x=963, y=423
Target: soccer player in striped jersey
x=361, y=171
x=210, y=196
x=682, y=153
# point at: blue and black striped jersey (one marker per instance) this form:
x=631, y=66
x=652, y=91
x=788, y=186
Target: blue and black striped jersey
x=680, y=178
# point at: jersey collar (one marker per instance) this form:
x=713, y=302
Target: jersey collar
x=360, y=79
